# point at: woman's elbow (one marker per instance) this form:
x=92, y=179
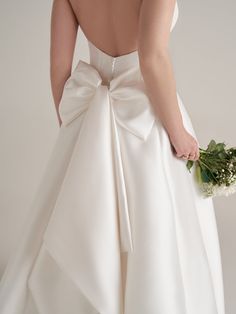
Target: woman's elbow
x=151, y=57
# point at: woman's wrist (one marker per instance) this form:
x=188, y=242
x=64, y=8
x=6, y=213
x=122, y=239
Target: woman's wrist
x=176, y=131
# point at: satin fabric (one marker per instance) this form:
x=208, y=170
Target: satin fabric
x=118, y=225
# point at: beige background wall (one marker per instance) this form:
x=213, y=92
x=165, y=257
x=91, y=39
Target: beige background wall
x=203, y=49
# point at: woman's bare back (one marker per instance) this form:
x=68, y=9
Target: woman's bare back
x=110, y=25
x=118, y=28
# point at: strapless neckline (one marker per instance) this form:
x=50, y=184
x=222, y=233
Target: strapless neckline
x=110, y=66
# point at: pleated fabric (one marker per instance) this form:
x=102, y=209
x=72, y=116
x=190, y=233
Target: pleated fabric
x=118, y=225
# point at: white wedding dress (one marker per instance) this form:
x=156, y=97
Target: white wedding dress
x=117, y=225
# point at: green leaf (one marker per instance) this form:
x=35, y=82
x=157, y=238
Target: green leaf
x=205, y=176
x=220, y=147
x=211, y=146
x=221, y=155
x=189, y=164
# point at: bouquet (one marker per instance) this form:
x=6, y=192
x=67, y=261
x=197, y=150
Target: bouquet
x=215, y=170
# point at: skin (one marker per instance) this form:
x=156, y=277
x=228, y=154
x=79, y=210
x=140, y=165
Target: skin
x=117, y=28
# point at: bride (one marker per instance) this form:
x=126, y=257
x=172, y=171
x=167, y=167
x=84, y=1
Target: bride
x=117, y=225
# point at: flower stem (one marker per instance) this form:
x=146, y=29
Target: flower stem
x=201, y=162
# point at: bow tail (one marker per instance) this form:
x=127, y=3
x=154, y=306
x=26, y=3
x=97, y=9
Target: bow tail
x=83, y=235
x=124, y=216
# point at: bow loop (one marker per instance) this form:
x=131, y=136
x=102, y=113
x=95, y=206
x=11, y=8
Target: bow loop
x=132, y=109
x=78, y=91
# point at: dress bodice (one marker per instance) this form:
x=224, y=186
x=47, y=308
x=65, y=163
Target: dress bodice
x=109, y=66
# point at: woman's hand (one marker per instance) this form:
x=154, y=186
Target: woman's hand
x=185, y=145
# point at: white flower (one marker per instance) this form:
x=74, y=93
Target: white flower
x=209, y=189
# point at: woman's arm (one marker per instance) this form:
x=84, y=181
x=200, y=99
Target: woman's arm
x=154, y=31
x=64, y=27
x=155, y=64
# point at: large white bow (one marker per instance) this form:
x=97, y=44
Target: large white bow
x=130, y=109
